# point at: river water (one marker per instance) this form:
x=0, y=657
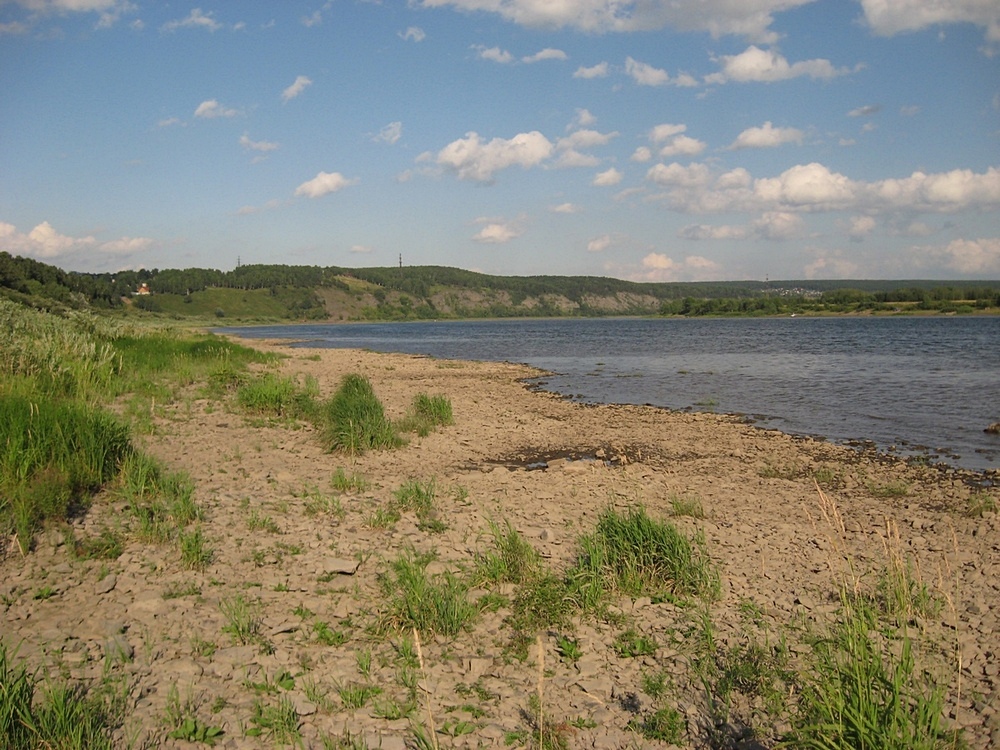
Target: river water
x=911, y=385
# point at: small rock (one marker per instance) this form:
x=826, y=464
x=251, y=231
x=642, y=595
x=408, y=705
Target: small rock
x=547, y=535
x=106, y=584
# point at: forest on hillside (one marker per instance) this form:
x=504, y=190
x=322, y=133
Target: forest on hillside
x=294, y=289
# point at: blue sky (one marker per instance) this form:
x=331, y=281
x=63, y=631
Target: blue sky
x=663, y=140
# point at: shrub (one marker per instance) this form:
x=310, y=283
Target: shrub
x=355, y=419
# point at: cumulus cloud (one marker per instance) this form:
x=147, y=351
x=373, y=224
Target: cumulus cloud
x=361, y=249
x=815, y=188
x=298, y=86
x=496, y=232
x=860, y=227
x=472, y=159
x=683, y=145
x=565, y=208
x=645, y=74
x=262, y=146
x=44, y=242
x=767, y=136
x=546, y=54
x=494, y=54
x=766, y=66
x=413, y=34
x=324, y=183
x=586, y=139
x=831, y=266
x=607, y=178
x=661, y=267
x=641, y=155
x=390, y=134
x=196, y=19
x=595, y=71
x=211, y=109
x=979, y=256
x=666, y=130
x=750, y=18
x=889, y=17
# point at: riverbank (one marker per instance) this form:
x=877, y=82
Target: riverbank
x=308, y=542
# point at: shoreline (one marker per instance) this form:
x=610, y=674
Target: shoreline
x=548, y=467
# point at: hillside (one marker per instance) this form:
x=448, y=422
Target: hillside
x=279, y=292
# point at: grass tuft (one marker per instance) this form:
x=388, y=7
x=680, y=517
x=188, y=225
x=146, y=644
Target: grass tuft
x=355, y=420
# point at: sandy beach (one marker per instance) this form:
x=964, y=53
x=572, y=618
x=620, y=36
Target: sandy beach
x=282, y=538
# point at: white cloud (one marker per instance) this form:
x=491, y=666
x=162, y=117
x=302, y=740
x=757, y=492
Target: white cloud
x=661, y=267
x=749, y=18
x=565, y=208
x=860, y=227
x=569, y=158
x=167, y=122
x=865, y=111
x=815, y=188
x=493, y=53
x=324, y=183
x=211, y=109
x=497, y=233
x=889, y=17
x=683, y=145
x=767, y=136
x=645, y=74
x=641, y=155
x=831, y=266
x=45, y=243
x=767, y=66
x=662, y=132
x=196, y=19
x=362, y=249
x=586, y=139
x=980, y=256
x=599, y=244
x=472, y=159
x=582, y=119
x=607, y=178
x=262, y=146
x=413, y=34
x=772, y=225
x=391, y=133
x=298, y=86
x=546, y=54
x=595, y=71
x=693, y=175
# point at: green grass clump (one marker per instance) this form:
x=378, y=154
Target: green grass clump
x=355, y=420
x=270, y=395
x=512, y=560
x=865, y=691
x=437, y=604
x=53, y=453
x=636, y=555
x=426, y=413
x=55, y=715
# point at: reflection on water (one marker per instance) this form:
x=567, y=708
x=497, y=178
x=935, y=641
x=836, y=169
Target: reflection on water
x=927, y=384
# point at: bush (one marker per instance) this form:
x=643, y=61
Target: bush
x=355, y=420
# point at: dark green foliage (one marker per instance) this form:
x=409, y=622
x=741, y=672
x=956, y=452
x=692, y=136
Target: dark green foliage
x=355, y=420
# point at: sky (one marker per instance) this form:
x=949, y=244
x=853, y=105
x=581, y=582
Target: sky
x=648, y=140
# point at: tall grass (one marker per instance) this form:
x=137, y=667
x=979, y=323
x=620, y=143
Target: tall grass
x=355, y=420
x=634, y=554
x=52, y=454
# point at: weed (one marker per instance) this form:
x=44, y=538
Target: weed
x=280, y=722
x=513, y=560
x=631, y=644
x=979, y=504
x=194, y=553
x=663, y=725
x=889, y=489
x=426, y=413
x=686, y=505
x=355, y=420
x=243, y=619
x=178, y=590
x=191, y=729
x=327, y=635
x=431, y=604
x=257, y=522
x=568, y=648
x=654, y=684
x=416, y=496
x=355, y=696
x=383, y=518
x=636, y=555
x=341, y=481
x=108, y=545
